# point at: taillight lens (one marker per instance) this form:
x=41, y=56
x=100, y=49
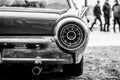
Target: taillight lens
x=71, y=36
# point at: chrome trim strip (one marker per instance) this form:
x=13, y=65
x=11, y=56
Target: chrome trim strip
x=83, y=12
x=32, y=59
x=27, y=40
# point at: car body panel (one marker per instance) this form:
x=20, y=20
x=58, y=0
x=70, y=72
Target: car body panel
x=27, y=22
x=23, y=28
x=31, y=21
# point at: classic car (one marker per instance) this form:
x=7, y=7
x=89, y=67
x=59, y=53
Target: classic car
x=56, y=29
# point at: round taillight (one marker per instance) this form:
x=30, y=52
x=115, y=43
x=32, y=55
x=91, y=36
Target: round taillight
x=71, y=36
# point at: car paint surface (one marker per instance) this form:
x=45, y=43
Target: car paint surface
x=31, y=21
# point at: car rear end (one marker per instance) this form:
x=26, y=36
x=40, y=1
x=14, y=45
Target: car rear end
x=49, y=40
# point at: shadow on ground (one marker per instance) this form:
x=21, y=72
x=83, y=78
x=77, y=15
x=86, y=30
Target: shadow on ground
x=50, y=76
x=26, y=74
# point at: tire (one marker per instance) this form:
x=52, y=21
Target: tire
x=73, y=69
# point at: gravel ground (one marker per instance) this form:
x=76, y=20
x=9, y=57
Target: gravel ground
x=102, y=63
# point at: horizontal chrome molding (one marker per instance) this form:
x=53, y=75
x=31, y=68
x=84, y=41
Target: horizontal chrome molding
x=32, y=59
x=26, y=40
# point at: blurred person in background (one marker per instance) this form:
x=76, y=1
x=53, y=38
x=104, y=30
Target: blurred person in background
x=97, y=13
x=107, y=15
x=116, y=14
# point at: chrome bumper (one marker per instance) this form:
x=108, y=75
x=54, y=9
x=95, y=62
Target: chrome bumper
x=35, y=60
x=26, y=39
x=51, y=54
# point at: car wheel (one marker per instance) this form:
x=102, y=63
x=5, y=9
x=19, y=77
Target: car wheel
x=73, y=69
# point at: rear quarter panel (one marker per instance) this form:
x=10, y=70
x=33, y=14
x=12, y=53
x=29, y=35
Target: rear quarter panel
x=13, y=22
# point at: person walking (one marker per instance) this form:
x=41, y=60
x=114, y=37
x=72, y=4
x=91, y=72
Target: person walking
x=97, y=13
x=116, y=14
x=107, y=15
